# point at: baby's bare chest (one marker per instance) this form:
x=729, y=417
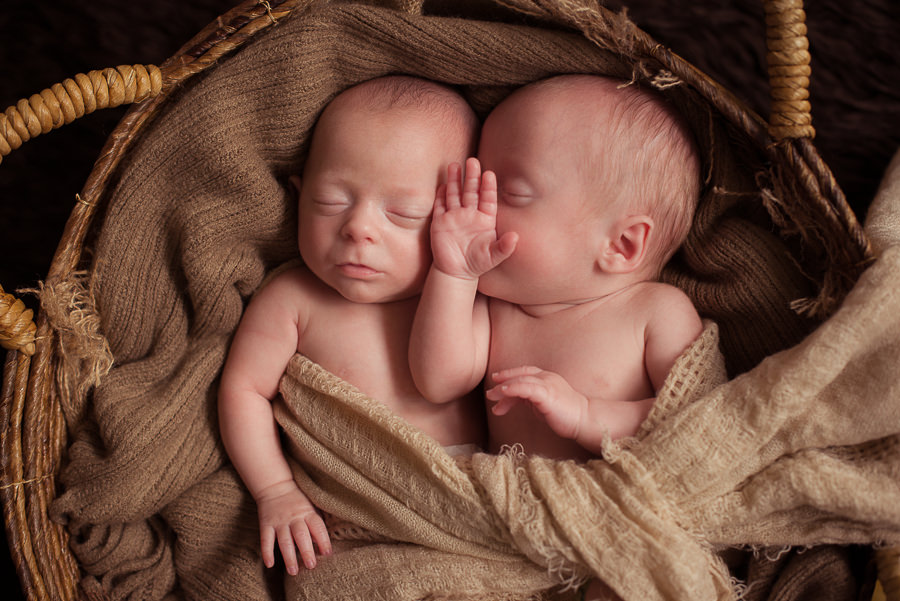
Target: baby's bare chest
x=365, y=347
x=598, y=353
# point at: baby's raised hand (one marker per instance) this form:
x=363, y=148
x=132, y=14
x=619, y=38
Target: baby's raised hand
x=550, y=395
x=287, y=516
x=463, y=230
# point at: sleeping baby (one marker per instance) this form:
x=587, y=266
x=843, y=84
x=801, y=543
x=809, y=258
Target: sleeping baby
x=545, y=267
x=378, y=153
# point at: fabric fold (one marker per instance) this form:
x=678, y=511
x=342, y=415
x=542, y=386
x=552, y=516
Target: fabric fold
x=649, y=518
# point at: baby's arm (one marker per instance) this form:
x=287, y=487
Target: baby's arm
x=450, y=336
x=672, y=326
x=568, y=412
x=265, y=341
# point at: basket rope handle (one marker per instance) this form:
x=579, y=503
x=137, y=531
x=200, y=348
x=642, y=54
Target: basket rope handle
x=54, y=107
x=788, y=61
x=16, y=324
x=75, y=97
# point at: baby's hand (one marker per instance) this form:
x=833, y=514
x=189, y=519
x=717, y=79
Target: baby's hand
x=561, y=406
x=286, y=515
x=463, y=230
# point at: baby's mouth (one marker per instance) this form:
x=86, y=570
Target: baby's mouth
x=357, y=270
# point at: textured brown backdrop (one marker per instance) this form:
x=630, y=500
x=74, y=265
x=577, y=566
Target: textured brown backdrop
x=855, y=92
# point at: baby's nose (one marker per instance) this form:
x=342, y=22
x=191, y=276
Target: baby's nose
x=361, y=224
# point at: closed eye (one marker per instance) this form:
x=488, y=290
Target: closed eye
x=330, y=207
x=409, y=219
x=514, y=199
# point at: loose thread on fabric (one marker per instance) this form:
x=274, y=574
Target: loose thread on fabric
x=630, y=82
x=741, y=588
x=665, y=79
x=79, y=199
x=558, y=565
x=772, y=554
x=265, y=4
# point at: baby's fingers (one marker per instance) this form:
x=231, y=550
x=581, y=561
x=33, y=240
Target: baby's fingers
x=440, y=200
x=267, y=545
x=288, y=550
x=304, y=543
x=505, y=246
x=472, y=183
x=504, y=405
x=452, y=191
x=487, y=198
x=514, y=372
x=527, y=388
x=319, y=533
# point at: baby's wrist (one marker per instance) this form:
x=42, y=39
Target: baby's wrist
x=274, y=490
x=458, y=276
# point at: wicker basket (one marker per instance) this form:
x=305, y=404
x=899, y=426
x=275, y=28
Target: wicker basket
x=34, y=433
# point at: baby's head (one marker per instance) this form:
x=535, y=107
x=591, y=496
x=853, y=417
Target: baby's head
x=596, y=176
x=378, y=152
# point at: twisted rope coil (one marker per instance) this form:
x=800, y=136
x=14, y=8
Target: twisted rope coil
x=16, y=324
x=788, y=61
x=75, y=97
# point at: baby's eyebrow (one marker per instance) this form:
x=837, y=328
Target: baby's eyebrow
x=417, y=209
x=330, y=182
x=410, y=201
x=405, y=194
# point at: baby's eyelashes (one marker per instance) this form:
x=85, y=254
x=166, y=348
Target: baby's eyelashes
x=516, y=198
x=404, y=217
x=330, y=207
x=409, y=219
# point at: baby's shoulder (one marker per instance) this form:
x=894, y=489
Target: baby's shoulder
x=294, y=276
x=657, y=305
x=292, y=285
x=660, y=296
x=668, y=310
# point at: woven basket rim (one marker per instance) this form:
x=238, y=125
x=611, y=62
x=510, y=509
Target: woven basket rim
x=39, y=547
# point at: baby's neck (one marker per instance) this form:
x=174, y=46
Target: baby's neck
x=599, y=295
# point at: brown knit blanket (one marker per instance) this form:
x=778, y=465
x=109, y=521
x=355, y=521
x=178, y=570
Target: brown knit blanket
x=800, y=449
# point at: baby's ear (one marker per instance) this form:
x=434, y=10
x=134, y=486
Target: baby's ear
x=627, y=244
x=295, y=183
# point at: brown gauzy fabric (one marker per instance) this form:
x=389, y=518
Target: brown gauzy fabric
x=200, y=213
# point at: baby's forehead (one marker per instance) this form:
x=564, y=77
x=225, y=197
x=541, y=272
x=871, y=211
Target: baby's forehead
x=552, y=114
x=595, y=113
x=546, y=112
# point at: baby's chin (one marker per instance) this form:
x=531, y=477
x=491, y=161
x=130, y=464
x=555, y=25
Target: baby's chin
x=373, y=292
x=370, y=298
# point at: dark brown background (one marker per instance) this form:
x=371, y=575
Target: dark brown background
x=855, y=94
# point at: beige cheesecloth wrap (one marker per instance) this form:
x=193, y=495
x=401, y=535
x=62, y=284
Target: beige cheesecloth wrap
x=797, y=449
